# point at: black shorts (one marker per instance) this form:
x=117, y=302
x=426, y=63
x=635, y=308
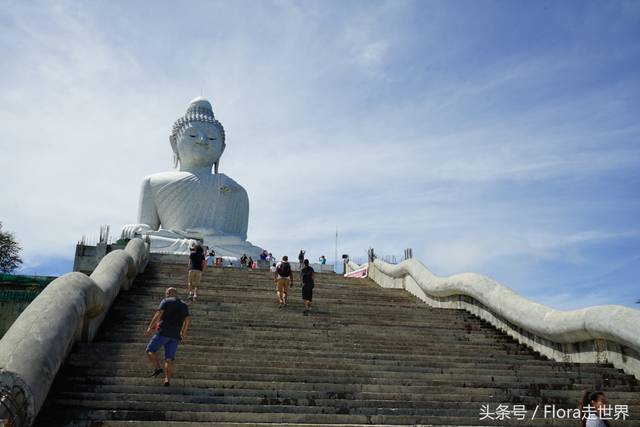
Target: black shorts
x=307, y=292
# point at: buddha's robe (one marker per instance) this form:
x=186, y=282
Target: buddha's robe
x=188, y=207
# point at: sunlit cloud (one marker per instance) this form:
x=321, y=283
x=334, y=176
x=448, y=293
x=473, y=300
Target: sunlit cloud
x=497, y=140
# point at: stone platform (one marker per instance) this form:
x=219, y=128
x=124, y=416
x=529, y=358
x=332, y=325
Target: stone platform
x=88, y=257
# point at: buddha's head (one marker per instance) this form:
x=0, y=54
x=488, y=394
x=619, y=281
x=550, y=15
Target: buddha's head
x=197, y=139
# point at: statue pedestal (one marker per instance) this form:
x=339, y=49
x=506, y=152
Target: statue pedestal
x=88, y=257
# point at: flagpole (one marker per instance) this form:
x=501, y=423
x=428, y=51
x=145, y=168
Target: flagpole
x=335, y=266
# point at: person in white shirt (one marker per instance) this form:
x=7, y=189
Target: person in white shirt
x=593, y=405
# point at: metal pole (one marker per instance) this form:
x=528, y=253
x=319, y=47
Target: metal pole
x=335, y=265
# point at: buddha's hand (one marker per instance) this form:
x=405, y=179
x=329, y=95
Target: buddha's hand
x=129, y=231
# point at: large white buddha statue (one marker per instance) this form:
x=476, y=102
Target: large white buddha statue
x=192, y=204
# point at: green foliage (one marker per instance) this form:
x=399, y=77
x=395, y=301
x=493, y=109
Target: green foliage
x=9, y=251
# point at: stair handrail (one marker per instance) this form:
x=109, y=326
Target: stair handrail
x=600, y=334
x=69, y=309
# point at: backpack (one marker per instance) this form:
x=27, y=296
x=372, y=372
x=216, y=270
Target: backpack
x=284, y=270
x=307, y=276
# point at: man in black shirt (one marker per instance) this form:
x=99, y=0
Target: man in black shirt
x=172, y=319
x=197, y=265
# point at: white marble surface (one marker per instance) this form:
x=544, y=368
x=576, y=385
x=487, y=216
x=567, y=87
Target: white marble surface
x=192, y=204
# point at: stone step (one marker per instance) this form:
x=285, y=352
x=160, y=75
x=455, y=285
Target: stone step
x=225, y=318
x=294, y=364
x=355, y=374
x=426, y=365
x=336, y=385
x=340, y=417
x=377, y=346
x=361, y=377
x=284, y=337
x=207, y=349
x=365, y=356
x=230, y=364
x=116, y=423
x=369, y=400
x=320, y=312
x=449, y=397
x=494, y=371
x=209, y=411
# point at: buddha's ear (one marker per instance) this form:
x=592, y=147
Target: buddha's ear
x=216, y=164
x=174, y=147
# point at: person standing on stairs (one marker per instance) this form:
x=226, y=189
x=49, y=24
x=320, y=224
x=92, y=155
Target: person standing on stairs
x=197, y=264
x=172, y=320
x=307, y=279
x=594, y=404
x=282, y=278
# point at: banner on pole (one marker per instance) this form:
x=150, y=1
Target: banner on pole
x=358, y=273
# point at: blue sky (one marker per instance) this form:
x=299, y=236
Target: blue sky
x=495, y=137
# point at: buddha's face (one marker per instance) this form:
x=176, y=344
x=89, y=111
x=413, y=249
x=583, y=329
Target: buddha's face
x=199, y=144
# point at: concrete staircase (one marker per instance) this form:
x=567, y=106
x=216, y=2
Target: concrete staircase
x=364, y=356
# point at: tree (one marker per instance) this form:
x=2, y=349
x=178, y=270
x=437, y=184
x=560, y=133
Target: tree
x=9, y=251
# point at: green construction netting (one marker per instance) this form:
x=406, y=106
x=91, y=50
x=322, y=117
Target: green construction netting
x=17, y=295
x=12, y=278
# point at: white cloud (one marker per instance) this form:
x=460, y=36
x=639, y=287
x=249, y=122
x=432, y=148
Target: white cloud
x=487, y=140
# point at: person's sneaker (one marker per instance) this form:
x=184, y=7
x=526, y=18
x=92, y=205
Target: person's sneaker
x=279, y=306
x=156, y=373
x=284, y=305
x=195, y=297
x=166, y=384
x=305, y=312
x=190, y=297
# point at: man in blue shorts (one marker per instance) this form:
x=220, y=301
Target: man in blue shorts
x=173, y=317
